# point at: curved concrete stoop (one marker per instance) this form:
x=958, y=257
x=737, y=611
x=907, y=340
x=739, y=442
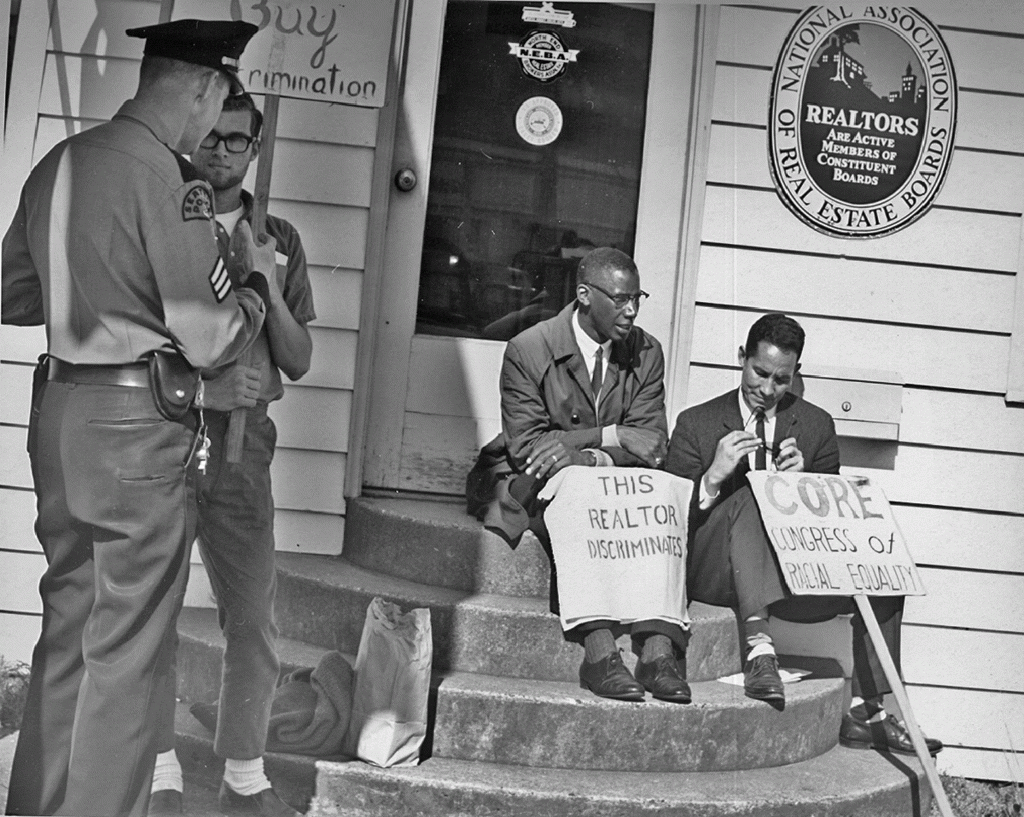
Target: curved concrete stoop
x=511, y=731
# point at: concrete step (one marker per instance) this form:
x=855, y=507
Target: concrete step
x=201, y=651
x=322, y=600
x=554, y=724
x=840, y=783
x=438, y=543
x=293, y=776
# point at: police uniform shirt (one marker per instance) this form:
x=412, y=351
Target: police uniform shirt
x=113, y=245
x=292, y=278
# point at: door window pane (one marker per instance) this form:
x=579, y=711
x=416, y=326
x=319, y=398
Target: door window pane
x=533, y=165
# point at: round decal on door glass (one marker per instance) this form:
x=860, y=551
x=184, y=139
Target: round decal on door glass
x=862, y=115
x=542, y=55
x=539, y=120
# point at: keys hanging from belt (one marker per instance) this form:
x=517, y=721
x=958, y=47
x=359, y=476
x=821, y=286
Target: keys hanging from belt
x=200, y=446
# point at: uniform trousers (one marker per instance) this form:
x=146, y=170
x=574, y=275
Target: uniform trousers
x=730, y=563
x=236, y=540
x=113, y=486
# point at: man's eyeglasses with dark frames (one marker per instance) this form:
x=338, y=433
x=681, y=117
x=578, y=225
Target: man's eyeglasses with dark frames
x=623, y=299
x=234, y=142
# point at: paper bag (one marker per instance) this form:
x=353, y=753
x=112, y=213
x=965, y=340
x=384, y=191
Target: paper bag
x=389, y=707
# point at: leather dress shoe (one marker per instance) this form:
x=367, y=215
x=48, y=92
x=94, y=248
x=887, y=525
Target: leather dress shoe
x=889, y=735
x=761, y=680
x=662, y=678
x=262, y=803
x=164, y=802
x=609, y=678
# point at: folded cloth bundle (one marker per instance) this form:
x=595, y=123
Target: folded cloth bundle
x=310, y=712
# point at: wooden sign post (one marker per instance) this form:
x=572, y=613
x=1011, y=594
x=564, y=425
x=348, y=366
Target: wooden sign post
x=835, y=536
x=261, y=199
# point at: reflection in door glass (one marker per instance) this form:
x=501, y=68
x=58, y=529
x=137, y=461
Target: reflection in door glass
x=538, y=140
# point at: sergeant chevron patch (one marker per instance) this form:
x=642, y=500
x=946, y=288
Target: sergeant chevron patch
x=220, y=281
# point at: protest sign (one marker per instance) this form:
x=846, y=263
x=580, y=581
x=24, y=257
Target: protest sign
x=618, y=536
x=834, y=535
x=334, y=50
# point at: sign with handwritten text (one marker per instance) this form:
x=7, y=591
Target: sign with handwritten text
x=834, y=535
x=618, y=536
x=325, y=50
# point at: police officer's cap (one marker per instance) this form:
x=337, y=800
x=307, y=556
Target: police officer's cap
x=213, y=43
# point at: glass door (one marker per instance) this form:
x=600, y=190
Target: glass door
x=537, y=148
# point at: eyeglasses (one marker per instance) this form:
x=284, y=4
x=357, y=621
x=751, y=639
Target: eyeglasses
x=622, y=300
x=234, y=142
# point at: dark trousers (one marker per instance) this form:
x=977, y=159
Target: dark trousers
x=730, y=563
x=114, y=521
x=236, y=540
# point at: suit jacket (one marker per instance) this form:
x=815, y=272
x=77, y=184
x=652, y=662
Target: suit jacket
x=699, y=428
x=545, y=390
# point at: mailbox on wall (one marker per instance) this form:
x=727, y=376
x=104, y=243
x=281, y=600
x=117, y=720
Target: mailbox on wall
x=864, y=403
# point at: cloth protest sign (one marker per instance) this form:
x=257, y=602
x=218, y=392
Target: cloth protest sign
x=834, y=535
x=618, y=536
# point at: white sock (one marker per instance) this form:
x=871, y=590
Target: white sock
x=765, y=648
x=245, y=777
x=167, y=773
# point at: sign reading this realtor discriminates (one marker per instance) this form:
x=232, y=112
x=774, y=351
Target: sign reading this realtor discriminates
x=618, y=536
x=834, y=535
x=861, y=118
x=333, y=50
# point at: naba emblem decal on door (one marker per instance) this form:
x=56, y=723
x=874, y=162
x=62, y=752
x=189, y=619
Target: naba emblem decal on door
x=542, y=55
x=861, y=119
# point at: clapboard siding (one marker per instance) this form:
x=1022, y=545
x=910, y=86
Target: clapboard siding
x=985, y=121
x=926, y=295
x=922, y=356
x=976, y=180
x=312, y=418
x=997, y=659
x=334, y=356
x=756, y=218
x=972, y=600
x=965, y=717
x=982, y=422
x=309, y=480
x=934, y=303
x=752, y=37
x=336, y=295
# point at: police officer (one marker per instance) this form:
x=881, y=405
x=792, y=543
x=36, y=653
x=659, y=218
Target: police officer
x=113, y=248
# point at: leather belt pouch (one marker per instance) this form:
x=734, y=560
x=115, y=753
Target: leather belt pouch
x=173, y=382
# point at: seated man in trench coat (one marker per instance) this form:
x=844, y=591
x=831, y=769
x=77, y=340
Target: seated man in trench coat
x=586, y=387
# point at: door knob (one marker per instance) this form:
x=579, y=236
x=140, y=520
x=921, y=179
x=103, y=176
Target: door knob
x=405, y=179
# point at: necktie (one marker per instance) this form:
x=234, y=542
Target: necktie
x=760, y=458
x=598, y=374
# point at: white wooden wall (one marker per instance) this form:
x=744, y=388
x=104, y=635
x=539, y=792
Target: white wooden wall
x=934, y=303
x=76, y=76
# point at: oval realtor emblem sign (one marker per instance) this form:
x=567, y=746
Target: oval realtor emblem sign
x=862, y=114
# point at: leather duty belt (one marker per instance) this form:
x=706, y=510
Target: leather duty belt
x=133, y=375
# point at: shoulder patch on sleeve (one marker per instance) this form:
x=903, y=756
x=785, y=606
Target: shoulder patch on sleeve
x=219, y=281
x=197, y=203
